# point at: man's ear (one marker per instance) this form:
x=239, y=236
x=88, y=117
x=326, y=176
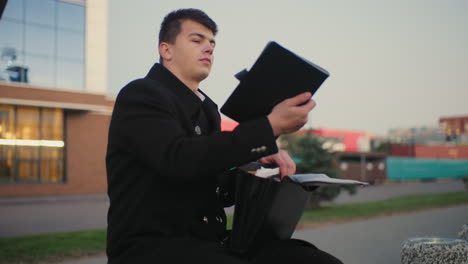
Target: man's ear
x=165, y=51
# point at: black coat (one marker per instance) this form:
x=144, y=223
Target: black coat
x=164, y=155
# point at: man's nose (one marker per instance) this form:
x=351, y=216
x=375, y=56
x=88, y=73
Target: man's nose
x=208, y=48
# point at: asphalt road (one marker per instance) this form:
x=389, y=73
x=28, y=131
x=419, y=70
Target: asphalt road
x=35, y=215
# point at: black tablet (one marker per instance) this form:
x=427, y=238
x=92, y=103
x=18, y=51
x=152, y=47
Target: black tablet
x=277, y=74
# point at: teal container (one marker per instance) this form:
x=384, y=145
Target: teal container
x=425, y=169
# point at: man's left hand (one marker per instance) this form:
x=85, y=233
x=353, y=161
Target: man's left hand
x=283, y=161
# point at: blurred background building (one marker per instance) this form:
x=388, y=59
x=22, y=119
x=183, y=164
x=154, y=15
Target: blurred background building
x=54, y=112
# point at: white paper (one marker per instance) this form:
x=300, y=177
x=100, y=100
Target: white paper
x=266, y=172
x=321, y=179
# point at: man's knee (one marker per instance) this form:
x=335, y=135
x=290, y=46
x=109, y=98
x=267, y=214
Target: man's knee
x=293, y=251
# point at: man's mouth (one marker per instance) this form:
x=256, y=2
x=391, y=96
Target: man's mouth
x=207, y=60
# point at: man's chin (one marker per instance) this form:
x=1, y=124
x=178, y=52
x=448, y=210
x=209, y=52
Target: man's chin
x=203, y=75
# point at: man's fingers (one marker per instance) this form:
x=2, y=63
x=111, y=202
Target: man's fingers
x=299, y=99
x=291, y=164
x=309, y=105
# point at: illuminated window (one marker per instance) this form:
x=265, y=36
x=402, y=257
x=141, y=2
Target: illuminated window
x=31, y=145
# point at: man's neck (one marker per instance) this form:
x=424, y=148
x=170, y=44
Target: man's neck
x=191, y=84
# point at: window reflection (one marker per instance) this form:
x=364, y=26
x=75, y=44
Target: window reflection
x=39, y=40
x=69, y=75
x=70, y=45
x=43, y=34
x=12, y=35
x=40, y=12
x=14, y=10
x=70, y=17
x=41, y=70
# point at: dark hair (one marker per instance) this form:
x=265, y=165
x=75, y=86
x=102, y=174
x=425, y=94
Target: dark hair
x=170, y=27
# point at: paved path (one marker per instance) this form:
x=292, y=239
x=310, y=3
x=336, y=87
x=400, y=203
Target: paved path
x=380, y=240
x=25, y=216
x=375, y=240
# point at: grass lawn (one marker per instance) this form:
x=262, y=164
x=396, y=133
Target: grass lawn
x=55, y=247
x=384, y=207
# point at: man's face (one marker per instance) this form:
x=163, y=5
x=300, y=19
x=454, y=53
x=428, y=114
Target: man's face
x=192, y=52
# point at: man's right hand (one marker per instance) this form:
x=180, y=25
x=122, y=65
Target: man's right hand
x=291, y=114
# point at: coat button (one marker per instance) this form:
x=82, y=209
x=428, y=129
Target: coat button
x=198, y=130
x=263, y=148
x=219, y=219
x=205, y=220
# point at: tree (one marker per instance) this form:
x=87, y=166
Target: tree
x=311, y=157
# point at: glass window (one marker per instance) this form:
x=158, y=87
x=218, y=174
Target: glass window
x=31, y=145
x=38, y=37
x=71, y=17
x=70, y=75
x=12, y=36
x=7, y=168
x=14, y=10
x=39, y=40
x=27, y=162
x=51, y=124
x=27, y=123
x=27, y=128
x=40, y=12
x=7, y=133
x=70, y=45
x=51, y=164
x=40, y=70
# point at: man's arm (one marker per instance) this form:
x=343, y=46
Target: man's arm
x=145, y=126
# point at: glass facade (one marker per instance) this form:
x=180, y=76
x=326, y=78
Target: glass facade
x=43, y=43
x=31, y=144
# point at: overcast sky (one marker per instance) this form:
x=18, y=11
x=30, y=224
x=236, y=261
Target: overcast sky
x=393, y=63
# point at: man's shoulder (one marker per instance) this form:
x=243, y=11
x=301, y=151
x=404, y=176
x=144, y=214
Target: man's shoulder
x=143, y=87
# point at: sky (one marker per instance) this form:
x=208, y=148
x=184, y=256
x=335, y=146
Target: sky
x=393, y=64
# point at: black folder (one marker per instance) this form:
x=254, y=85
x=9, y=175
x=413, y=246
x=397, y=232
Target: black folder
x=277, y=74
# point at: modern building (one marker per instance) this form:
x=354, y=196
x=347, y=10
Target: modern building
x=54, y=111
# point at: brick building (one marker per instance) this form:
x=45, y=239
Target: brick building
x=54, y=112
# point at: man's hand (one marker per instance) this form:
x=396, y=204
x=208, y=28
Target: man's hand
x=291, y=114
x=283, y=160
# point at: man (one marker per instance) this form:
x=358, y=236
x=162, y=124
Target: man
x=166, y=152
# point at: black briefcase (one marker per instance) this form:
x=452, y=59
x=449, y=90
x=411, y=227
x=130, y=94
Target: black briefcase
x=266, y=209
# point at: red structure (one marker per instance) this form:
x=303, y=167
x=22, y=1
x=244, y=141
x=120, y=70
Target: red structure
x=351, y=139
x=430, y=151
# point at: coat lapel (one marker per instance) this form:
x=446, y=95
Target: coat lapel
x=212, y=114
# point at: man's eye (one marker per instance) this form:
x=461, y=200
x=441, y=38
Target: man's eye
x=196, y=40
